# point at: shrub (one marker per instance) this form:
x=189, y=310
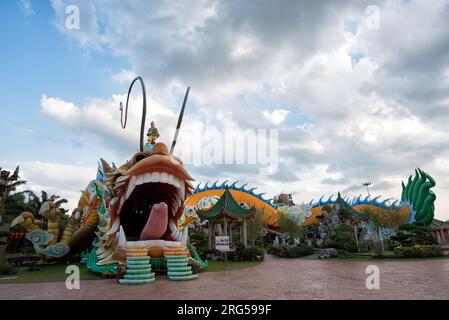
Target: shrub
x=418, y=251
x=5, y=268
x=291, y=251
x=251, y=253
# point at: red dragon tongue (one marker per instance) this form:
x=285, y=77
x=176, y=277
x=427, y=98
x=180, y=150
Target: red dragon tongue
x=157, y=223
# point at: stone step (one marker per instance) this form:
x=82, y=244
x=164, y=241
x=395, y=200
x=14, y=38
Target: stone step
x=136, y=282
x=177, y=257
x=183, y=278
x=179, y=273
x=138, y=271
x=139, y=276
x=138, y=266
x=180, y=269
x=175, y=265
x=138, y=259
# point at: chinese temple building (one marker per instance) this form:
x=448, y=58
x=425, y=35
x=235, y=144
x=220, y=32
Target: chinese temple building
x=440, y=230
x=227, y=212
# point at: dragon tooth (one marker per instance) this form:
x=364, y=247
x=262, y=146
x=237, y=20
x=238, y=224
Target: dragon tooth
x=164, y=177
x=177, y=182
x=156, y=177
x=131, y=186
x=139, y=180
x=122, y=202
x=122, y=179
x=147, y=178
x=182, y=191
x=172, y=225
x=171, y=180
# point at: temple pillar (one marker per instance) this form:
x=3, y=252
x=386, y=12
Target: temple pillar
x=219, y=229
x=244, y=237
x=230, y=233
x=225, y=228
x=437, y=233
x=443, y=237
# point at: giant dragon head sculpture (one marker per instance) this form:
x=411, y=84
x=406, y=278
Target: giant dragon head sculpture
x=149, y=193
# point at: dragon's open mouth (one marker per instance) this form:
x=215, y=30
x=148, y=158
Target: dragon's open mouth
x=149, y=197
x=150, y=205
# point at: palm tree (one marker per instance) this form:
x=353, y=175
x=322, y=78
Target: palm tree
x=35, y=202
x=8, y=184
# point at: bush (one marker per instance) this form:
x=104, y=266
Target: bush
x=199, y=241
x=250, y=253
x=5, y=268
x=291, y=251
x=418, y=251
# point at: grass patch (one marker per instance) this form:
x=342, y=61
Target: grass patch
x=215, y=266
x=56, y=272
x=50, y=273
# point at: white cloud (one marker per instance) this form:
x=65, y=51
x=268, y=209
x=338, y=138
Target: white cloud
x=124, y=76
x=276, y=116
x=376, y=117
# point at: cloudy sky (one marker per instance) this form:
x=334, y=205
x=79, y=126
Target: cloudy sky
x=357, y=90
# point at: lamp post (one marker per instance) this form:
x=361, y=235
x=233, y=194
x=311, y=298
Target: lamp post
x=367, y=184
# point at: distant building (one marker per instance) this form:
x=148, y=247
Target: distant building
x=440, y=230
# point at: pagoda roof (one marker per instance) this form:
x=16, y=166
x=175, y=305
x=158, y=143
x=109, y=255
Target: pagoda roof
x=439, y=224
x=227, y=206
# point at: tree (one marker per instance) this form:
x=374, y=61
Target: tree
x=8, y=184
x=290, y=227
x=413, y=234
x=344, y=237
x=36, y=201
x=255, y=227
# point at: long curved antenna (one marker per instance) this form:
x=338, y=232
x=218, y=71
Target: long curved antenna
x=144, y=109
x=178, y=126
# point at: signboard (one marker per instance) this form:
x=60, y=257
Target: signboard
x=222, y=243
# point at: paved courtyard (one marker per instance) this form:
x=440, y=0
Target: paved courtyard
x=273, y=279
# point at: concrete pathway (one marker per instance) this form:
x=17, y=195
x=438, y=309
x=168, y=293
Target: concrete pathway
x=275, y=278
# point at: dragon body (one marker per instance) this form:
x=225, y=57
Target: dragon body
x=417, y=204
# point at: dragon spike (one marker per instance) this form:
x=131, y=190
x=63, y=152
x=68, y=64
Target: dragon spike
x=310, y=203
x=252, y=190
x=358, y=198
x=224, y=184
x=375, y=199
x=394, y=203
x=260, y=196
x=214, y=186
x=366, y=199
x=321, y=200
x=330, y=199
x=243, y=187
x=233, y=186
x=384, y=203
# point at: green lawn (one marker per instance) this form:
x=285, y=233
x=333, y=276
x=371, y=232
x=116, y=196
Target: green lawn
x=215, y=266
x=56, y=272
x=50, y=273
